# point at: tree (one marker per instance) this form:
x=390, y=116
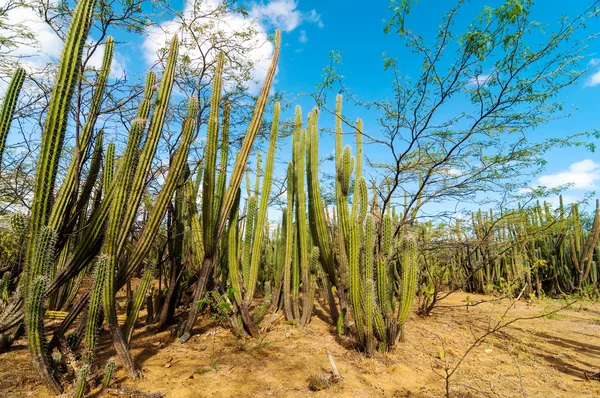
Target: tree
x=498, y=88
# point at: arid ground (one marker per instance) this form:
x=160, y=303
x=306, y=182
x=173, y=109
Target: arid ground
x=552, y=356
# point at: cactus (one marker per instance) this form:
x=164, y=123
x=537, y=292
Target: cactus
x=301, y=225
x=287, y=258
x=5, y=286
x=109, y=372
x=408, y=282
x=244, y=280
x=8, y=106
x=231, y=193
x=35, y=286
x=18, y=225
x=139, y=298
x=81, y=386
x=94, y=307
x=60, y=212
x=53, y=133
x=210, y=157
x=264, y=202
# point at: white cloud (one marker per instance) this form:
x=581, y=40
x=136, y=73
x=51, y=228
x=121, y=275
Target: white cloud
x=593, y=80
x=283, y=14
x=579, y=175
x=117, y=66
x=280, y=13
x=44, y=46
x=315, y=17
x=302, y=38
x=479, y=80
x=256, y=50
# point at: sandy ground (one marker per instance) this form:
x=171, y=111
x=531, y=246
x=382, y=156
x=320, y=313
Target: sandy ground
x=543, y=357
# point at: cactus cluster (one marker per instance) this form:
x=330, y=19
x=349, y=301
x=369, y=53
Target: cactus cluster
x=102, y=230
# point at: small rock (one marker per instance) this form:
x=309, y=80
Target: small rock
x=168, y=365
x=185, y=337
x=287, y=335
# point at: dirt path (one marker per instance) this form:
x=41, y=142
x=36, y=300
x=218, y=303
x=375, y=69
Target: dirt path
x=545, y=357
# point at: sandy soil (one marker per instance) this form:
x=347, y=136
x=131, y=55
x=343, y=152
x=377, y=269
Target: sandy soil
x=544, y=357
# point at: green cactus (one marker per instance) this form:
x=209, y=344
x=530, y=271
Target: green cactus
x=210, y=157
x=94, y=308
x=231, y=193
x=303, y=251
x=408, y=283
x=53, y=133
x=35, y=286
x=264, y=203
x=369, y=296
x=289, y=240
x=81, y=386
x=18, y=225
x=109, y=372
x=60, y=212
x=8, y=106
x=139, y=298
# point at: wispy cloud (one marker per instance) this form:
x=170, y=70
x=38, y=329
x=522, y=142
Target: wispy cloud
x=283, y=14
x=302, y=38
x=257, y=50
x=315, y=18
x=580, y=175
x=594, y=79
x=479, y=80
x=43, y=46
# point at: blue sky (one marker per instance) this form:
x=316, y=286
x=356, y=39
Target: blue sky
x=311, y=29
x=356, y=31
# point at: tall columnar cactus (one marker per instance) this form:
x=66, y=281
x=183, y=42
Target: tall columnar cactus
x=288, y=215
x=408, y=279
x=373, y=267
x=60, y=212
x=582, y=247
x=150, y=144
x=9, y=104
x=139, y=298
x=146, y=237
x=250, y=256
x=369, y=282
x=35, y=287
x=94, y=308
x=301, y=222
x=53, y=133
x=317, y=215
x=88, y=245
x=264, y=203
x=231, y=193
x=210, y=157
x=54, y=130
